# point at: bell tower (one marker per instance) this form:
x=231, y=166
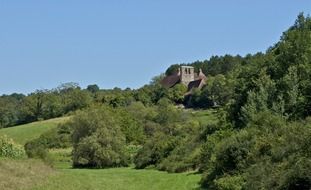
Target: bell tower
x=187, y=74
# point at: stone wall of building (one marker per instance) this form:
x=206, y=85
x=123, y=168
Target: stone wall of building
x=186, y=74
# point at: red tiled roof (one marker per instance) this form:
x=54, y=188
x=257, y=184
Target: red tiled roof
x=170, y=81
x=196, y=84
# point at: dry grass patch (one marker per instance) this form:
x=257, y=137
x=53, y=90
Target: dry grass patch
x=22, y=174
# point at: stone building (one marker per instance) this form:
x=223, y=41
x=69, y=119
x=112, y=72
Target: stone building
x=185, y=75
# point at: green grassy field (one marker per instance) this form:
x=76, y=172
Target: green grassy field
x=205, y=117
x=118, y=179
x=23, y=133
x=32, y=175
x=115, y=178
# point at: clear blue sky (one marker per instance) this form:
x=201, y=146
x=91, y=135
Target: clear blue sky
x=125, y=43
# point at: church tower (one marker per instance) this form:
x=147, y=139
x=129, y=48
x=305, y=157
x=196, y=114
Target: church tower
x=186, y=74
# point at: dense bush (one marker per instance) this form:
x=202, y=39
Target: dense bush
x=10, y=149
x=269, y=154
x=160, y=129
x=174, y=142
x=98, y=140
x=130, y=126
x=186, y=154
x=37, y=149
x=154, y=150
x=286, y=161
x=184, y=157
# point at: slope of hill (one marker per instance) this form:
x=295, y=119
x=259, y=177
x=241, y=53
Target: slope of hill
x=23, y=133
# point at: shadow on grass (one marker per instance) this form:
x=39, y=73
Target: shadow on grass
x=194, y=173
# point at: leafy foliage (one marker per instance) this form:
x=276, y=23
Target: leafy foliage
x=9, y=149
x=98, y=140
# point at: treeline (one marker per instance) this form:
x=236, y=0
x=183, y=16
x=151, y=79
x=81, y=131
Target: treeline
x=43, y=104
x=18, y=109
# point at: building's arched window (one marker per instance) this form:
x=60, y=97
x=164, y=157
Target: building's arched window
x=186, y=71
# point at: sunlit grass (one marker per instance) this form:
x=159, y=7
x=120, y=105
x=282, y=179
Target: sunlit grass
x=114, y=178
x=205, y=117
x=119, y=179
x=23, y=133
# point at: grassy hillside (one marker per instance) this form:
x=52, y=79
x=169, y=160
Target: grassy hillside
x=23, y=133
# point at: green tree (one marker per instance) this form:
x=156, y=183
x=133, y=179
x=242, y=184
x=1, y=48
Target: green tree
x=220, y=89
x=74, y=99
x=260, y=99
x=9, y=111
x=93, y=88
x=177, y=93
x=33, y=106
x=98, y=140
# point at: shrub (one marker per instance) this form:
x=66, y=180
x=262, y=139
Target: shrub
x=59, y=137
x=230, y=183
x=37, y=148
x=173, y=143
x=9, y=149
x=154, y=150
x=131, y=127
x=269, y=154
x=287, y=164
x=230, y=155
x=98, y=141
x=94, y=153
x=184, y=157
